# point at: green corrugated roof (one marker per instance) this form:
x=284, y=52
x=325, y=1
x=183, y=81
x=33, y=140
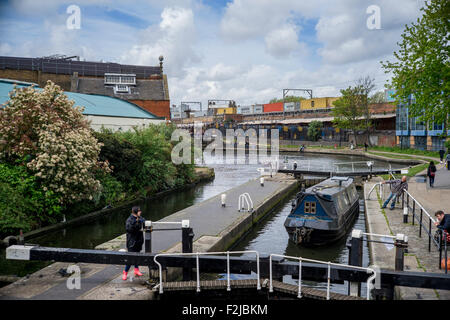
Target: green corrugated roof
x=96, y=105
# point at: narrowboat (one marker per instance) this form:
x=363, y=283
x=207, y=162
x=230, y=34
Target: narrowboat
x=324, y=212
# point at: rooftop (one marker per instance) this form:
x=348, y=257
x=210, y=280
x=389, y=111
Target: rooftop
x=97, y=105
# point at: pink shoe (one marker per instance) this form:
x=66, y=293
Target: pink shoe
x=124, y=276
x=137, y=273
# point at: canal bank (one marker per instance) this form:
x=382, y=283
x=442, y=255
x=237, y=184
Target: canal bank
x=390, y=222
x=202, y=174
x=215, y=228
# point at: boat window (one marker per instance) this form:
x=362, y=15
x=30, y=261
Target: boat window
x=313, y=207
x=307, y=207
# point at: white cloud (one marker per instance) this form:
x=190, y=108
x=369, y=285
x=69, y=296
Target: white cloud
x=174, y=38
x=282, y=42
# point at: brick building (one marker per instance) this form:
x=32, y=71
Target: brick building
x=145, y=86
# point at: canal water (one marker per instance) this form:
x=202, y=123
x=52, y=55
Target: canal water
x=268, y=237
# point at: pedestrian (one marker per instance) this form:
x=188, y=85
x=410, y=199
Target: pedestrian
x=135, y=237
x=447, y=161
x=398, y=185
x=365, y=146
x=431, y=173
x=441, y=154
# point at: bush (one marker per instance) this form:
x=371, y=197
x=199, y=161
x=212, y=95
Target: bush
x=43, y=127
x=23, y=203
x=314, y=130
x=124, y=158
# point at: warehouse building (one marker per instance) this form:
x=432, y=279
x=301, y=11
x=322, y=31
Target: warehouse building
x=144, y=86
x=101, y=111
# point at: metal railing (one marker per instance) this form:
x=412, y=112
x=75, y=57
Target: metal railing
x=197, y=254
x=369, y=164
x=440, y=244
x=300, y=259
x=248, y=200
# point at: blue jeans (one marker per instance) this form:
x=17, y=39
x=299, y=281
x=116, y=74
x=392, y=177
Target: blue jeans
x=392, y=196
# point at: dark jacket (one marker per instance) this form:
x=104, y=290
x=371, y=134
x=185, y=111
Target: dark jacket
x=398, y=186
x=135, y=237
x=430, y=170
x=445, y=223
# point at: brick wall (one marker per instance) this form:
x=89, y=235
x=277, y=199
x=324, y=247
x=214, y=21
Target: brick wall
x=159, y=108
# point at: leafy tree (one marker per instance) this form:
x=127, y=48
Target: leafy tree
x=347, y=111
x=42, y=130
x=365, y=86
x=314, y=130
x=422, y=66
x=378, y=97
x=287, y=99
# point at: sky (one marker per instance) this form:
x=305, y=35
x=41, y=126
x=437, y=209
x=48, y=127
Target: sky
x=243, y=50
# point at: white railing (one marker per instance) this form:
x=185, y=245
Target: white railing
x=420, y=206
x=352, y=164
x=197, y=254
x=245, y=198
x=380, y=185
x=300, y=259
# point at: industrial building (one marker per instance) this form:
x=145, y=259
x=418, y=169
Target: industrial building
x=144, y=86
x=101, y=111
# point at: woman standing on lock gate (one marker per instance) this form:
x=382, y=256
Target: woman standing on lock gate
x=135, y=237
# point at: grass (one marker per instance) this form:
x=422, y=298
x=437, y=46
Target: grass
x=427, y=153
x=384, y=213
x=396, y=156
x=308, y=147
x=411, y=171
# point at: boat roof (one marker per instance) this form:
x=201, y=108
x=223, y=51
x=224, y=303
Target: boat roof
x=330, y=186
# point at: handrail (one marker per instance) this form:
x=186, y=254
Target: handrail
x=197, y=254
x=369, y=280
x=245, y=196
x=426, y=212
x=380, y=185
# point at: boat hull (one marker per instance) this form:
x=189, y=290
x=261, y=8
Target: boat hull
x=308, y=234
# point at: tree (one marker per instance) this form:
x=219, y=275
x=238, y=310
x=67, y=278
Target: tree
x=314, y=130
x=364, y=87
x=422, y=65
x=347, y=111
x=41, y=130
x=378, y=97
x=287, y=99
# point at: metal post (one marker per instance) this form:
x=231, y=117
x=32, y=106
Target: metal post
x=403, y=200
x=355, y=259
x=440, y=249
x=420, y=229
x=445, y=245
x=187, y=236
x=148, y=237
x=429, y=235
x=413, y=211
x=401, y=243
x=405, y=214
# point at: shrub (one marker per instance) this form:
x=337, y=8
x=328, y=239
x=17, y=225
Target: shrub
x=23, y=204
x=43, y=127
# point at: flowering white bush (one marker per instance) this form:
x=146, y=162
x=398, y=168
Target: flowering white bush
x=55, y=140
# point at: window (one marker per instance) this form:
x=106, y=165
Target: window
x=307, y=207
x=121, y=88
x=117, y=78
x=310, y=207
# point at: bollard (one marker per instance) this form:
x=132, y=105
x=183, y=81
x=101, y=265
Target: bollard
x=148, y=237
x=405, y=215
x=223, y=197
x=355, y=259
x=261, y=180
x=187, y=236
x=401, y=243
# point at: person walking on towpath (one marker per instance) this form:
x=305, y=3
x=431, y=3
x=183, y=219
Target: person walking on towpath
x=431, y=173
x=441, y=154
x=135, y=237
x=398, y=185
x=447, y=160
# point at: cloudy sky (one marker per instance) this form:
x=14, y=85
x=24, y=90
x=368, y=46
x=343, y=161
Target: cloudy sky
x=246, y=50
